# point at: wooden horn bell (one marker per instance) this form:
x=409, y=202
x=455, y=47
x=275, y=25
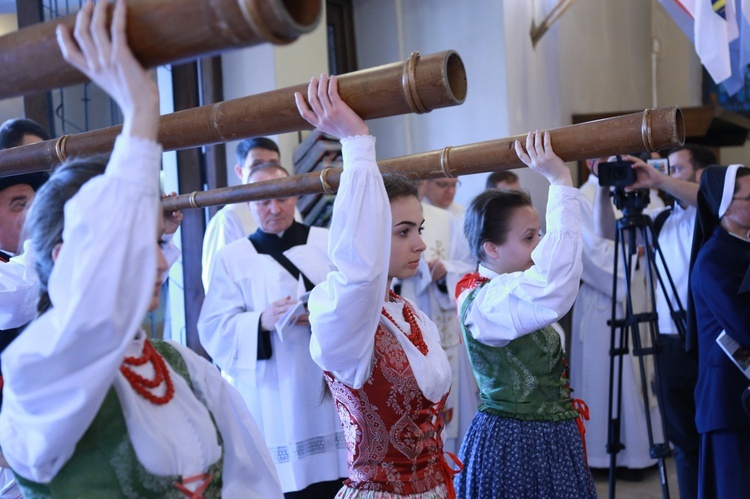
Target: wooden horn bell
x=417, y=85
x=159, y=32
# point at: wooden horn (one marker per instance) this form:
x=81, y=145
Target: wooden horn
x=652, y=130
x=417, y=85
x=159, y=32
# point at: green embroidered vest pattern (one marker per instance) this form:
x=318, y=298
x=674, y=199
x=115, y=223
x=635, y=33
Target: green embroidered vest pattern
x=104, y=463
x=524, y=379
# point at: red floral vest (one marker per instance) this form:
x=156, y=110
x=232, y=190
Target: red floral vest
x=392, y=431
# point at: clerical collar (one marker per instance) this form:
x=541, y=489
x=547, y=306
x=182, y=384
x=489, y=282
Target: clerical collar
x=295, y=235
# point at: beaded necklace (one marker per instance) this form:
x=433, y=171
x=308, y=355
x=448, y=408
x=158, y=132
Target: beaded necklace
x=416, y=337
x=142, y=385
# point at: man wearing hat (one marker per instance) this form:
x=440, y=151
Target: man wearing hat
x=18, y=281
x=16, y=194
x=719, y=265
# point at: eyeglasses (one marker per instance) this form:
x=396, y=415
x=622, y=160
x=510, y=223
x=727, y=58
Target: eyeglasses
x=743, y=198
x=444, y=184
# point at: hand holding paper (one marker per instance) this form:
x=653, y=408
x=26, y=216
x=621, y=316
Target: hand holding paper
x=296, y=316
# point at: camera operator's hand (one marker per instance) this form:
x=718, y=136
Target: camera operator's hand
x=540, y=157
x=648, y=177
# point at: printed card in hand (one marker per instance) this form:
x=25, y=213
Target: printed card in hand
x=739, y=355
x=288, y=323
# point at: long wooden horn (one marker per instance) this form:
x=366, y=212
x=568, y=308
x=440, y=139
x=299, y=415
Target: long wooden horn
x=417, y=85
x=652, y=130
x=159, y=32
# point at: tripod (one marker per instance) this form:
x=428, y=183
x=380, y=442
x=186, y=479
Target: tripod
x=628, y=228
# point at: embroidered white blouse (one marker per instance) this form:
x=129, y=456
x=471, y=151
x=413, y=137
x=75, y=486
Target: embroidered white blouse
x=345, y=309
x=59, y=370
x=512, y=305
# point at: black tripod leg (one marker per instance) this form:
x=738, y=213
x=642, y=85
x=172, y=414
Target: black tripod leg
x=618, y=344
x=659, y=451
x=625, y=241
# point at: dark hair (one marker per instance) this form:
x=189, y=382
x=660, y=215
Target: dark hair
x=488, y=218
x=503, y=176
x=700, y=157
x=46, y=219
x=268, y=165
x=14, y=130
x=398, y=185
x=246, y=145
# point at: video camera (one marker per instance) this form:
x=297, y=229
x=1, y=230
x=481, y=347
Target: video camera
x=619, y=174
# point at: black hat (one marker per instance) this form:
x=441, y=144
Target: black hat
x=714, y=196
x=35, y=180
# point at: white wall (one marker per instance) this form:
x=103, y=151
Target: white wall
x=267, y=67
x=389, y=30
x=596, y=58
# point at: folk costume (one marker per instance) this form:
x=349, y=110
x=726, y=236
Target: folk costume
x=19, y=286
x=274, y=371
x=444, y=237
x=383, y=361
x=720, y=303
x=525, y=439
x=91, y=406
x=19, y=290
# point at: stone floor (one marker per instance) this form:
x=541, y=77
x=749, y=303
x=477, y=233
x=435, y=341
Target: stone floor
x=649, y=488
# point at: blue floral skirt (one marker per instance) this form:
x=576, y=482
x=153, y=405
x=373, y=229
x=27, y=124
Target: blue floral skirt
x=507, y=457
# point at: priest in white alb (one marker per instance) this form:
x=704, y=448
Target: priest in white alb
x=256, y=283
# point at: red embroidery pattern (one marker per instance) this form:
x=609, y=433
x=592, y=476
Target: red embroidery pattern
x=392, y=430
x=469, y=282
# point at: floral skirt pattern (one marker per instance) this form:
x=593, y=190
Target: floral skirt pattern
x=507, y=457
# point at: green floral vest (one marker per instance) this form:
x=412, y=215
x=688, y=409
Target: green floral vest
x=104, y=463
x=525, y=379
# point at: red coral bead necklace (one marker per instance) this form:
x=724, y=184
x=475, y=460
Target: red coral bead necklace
x=416, y=336
x=142, y=385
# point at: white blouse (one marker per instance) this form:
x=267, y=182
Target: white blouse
x=345, y=310
x=59, y=370
x=19, y=290
x=512, y=305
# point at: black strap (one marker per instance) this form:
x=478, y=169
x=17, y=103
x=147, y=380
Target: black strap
x=659, y=221
x=274, y=246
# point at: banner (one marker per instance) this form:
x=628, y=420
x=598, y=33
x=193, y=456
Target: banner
x=720, y=32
